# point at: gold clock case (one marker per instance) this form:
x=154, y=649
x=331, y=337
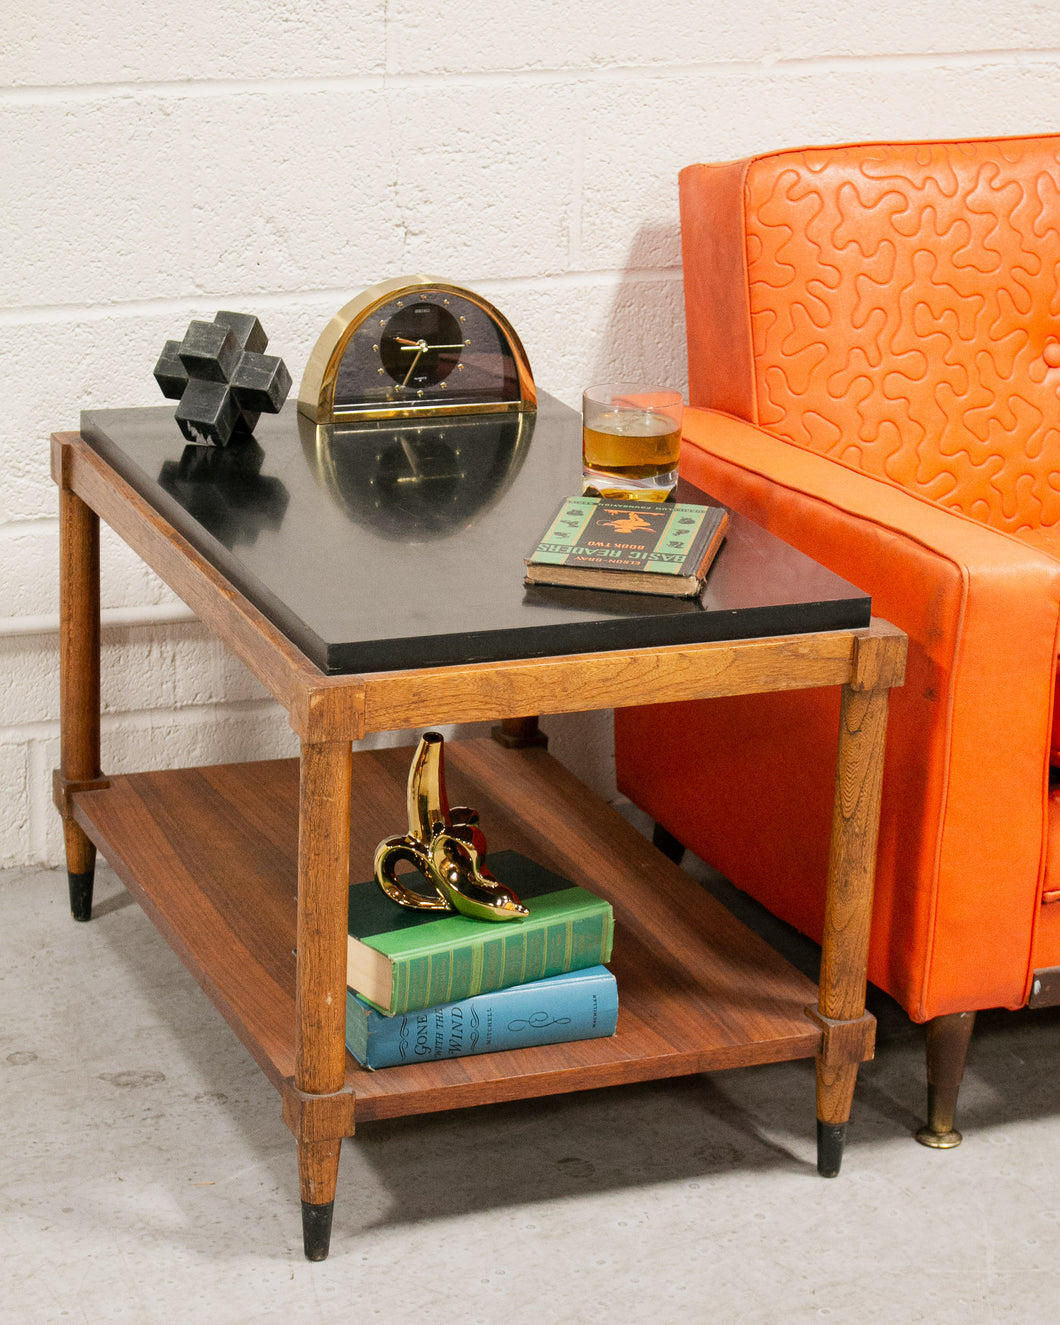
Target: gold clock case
x=316, y=397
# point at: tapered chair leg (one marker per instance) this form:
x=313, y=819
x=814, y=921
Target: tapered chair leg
x=947, y=1052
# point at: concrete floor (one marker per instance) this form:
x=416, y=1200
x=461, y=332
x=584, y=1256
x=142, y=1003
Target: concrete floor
x=147, y=1176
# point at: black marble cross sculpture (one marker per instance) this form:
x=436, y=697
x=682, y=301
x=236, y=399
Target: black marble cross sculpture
x=222, y=378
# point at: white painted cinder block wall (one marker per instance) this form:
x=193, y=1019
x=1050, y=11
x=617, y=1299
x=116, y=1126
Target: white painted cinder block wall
x=163, y=161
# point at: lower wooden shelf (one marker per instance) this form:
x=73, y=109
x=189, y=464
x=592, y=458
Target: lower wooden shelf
x=210, y=854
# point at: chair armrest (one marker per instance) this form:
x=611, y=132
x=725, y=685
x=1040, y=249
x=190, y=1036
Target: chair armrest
x=967, y=763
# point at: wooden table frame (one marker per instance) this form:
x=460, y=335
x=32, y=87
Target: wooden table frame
x=321, y=1094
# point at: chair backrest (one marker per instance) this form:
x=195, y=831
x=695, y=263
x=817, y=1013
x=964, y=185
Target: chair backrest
x=894, y=306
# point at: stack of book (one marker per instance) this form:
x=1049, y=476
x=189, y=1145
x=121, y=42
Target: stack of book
x=425, y=985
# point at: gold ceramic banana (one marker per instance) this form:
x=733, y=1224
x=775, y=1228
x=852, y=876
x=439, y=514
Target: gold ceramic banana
x=388, y=854
x=468, y=885
x=445, y=846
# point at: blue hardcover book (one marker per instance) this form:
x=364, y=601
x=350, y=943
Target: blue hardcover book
x=578, y=1005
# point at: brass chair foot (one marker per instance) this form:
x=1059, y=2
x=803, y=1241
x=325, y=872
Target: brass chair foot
x=927, y=1136
x=947, y=1049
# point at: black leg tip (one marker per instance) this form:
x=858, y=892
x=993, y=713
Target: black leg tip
x=81, y=895
x=316, y=1230
x=831, y=1138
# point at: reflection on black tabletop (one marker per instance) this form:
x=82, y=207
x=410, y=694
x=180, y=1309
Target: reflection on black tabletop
x=223, y=488
x=418, y=481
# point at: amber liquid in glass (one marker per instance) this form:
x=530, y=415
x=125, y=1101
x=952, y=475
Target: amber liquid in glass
x=630, y=454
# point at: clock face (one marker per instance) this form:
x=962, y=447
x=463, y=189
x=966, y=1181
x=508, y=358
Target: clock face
x=421, y=345
x=415, y=346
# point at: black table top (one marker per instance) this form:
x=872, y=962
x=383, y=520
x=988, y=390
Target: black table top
x=387, y=546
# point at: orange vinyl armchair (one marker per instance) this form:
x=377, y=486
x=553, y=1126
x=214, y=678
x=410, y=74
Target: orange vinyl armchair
x=874, y=361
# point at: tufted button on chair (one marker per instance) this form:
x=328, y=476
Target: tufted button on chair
x=874, y=374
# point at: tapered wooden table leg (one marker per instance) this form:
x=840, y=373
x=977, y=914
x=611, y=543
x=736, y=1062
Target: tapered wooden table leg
x=78, y=686
x=320, y=1052
x=848, y=1033
x=318, y=1172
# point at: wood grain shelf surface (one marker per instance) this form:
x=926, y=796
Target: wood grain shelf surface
x=211, y=855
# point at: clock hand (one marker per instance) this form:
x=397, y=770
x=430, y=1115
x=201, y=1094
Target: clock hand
x=412, y=366
x=423, y=346
x=418, y=348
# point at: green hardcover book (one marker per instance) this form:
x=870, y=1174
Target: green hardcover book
x=400, y=960
x=633, y=546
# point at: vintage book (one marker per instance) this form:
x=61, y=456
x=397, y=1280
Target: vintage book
x=401, y=960
x=634, y=546
x=578, y=1005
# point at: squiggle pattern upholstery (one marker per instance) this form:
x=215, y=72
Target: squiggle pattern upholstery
x=905, y=318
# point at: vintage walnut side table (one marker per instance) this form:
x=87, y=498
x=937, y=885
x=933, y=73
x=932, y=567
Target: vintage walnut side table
x=372, y=580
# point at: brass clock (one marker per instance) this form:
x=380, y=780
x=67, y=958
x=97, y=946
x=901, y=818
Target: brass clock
x=415, y=346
